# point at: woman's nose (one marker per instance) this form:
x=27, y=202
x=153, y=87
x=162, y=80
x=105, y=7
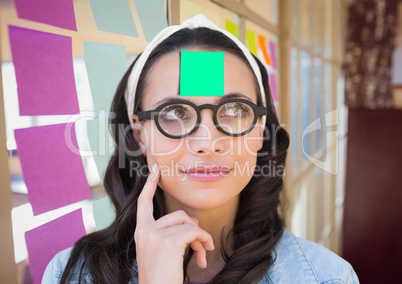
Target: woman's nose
x=207, y=139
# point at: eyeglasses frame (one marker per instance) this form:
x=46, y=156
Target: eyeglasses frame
x=153, y=115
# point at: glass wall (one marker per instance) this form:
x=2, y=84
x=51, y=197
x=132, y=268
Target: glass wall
x=316, y=116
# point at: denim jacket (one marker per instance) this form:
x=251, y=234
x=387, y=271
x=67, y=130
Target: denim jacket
x=297, y=261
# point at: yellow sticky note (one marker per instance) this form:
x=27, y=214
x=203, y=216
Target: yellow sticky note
x=251, y=42
x=232, y=28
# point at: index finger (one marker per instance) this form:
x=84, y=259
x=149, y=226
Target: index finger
x=145, y=207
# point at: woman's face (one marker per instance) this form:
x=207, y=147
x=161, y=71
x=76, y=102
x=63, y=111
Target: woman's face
x=207, y=169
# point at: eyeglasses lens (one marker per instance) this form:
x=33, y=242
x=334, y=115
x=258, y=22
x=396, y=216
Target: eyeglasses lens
x=235, y=117
x=180, y=119
x=177, y=119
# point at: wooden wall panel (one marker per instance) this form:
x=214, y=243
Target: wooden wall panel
x=372, y=227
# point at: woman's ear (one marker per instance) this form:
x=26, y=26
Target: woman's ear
x=137, y=130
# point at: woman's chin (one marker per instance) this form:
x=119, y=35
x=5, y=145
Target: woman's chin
x=200, y=198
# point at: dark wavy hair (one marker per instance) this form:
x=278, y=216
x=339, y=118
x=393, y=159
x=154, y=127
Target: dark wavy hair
x=108, y=255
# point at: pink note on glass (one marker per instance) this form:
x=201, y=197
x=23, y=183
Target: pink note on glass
x=273, y=87
x=52, y=166
x=45, y=241
x=44, y=71
x=272, y=51
x=58, y=13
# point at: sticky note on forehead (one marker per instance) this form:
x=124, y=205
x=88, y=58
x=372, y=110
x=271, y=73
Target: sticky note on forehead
x=201, y=73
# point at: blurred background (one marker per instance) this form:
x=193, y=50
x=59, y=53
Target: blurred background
x=336, y=82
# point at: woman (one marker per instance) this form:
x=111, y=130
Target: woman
x=208, y=210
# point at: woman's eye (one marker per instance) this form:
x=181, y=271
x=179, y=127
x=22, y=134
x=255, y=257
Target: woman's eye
x=175, y=112
x=235, y=109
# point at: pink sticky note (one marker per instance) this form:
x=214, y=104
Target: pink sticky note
x=272, y=51
x=44, y=71
x=273, y=87
x=58, y=13
x=44, y=242
x=52, y=167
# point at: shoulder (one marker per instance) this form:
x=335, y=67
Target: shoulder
x=303, y=261
x=56, y=266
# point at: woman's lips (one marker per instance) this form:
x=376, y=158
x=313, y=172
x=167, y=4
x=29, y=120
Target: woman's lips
x=211, y=173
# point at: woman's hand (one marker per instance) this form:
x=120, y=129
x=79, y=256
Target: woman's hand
x=161, y=244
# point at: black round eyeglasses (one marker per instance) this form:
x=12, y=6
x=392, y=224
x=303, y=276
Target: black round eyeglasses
x=180, y=118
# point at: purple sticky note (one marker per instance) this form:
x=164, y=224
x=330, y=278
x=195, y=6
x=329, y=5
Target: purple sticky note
x=58, y=13
x=273, y=87
x=52, y=166
x=272, y=51
x=44, y=71
x=44, y=242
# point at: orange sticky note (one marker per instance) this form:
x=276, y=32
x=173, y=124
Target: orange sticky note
x=262, y=43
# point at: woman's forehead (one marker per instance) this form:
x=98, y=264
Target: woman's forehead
x=163, y=79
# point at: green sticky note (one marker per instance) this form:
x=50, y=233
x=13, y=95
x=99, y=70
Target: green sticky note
x=202, y=73
x=114, y=17
x=104, y=213
x=232, y=28
x=101, y=143
x=152, y=16
x=251, y=41
x=106, y=64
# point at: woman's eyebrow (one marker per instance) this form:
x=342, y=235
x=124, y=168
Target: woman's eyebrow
x=220, y=99
x=233, y=96
x=167, y=99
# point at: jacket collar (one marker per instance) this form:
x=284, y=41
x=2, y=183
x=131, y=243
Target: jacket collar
x=290, y=263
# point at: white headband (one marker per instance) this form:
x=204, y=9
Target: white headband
x=192, y=23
